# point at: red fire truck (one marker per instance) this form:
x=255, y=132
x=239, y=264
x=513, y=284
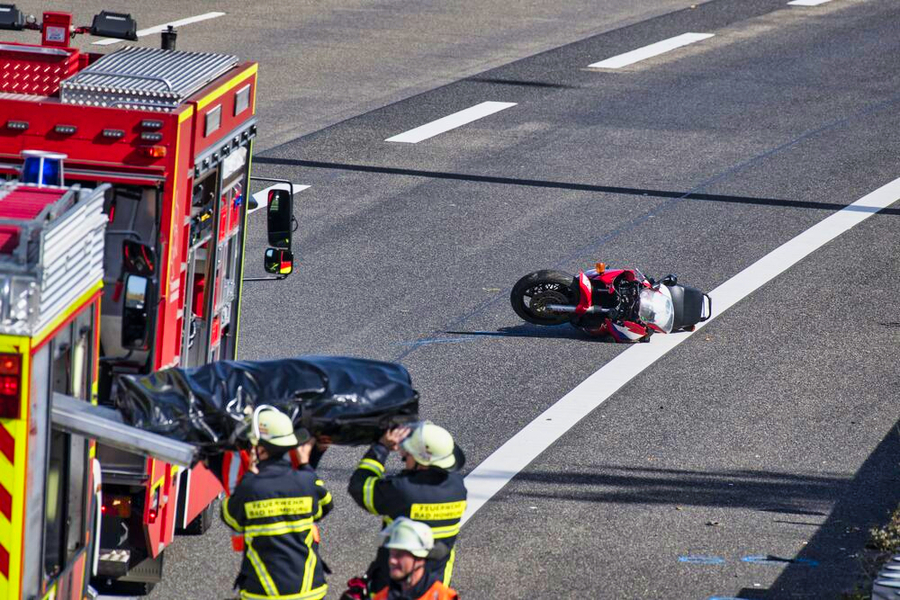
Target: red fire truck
x=172, y=133
x=51, y=270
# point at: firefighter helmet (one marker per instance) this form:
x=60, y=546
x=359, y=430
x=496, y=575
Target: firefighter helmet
x=431, y=445
x=414, y=537
x=272, y=426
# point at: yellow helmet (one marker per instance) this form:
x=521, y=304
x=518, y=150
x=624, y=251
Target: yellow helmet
x=431, y=445
x=414, y=537
x=272, y=426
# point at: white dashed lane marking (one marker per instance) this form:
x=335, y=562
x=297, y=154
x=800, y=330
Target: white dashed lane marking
x=488, y=478
x=807, y=2
x=163, y=27
x=629, y=58
x=449, y=122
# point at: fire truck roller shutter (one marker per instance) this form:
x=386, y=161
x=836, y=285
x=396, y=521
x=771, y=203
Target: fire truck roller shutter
x=134, y=211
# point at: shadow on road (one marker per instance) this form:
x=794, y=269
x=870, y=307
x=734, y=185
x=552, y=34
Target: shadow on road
x=565, y=185
x=862, y=503
x=523, y=83
x=767, y=491
x=561, y=332
x=850, y=507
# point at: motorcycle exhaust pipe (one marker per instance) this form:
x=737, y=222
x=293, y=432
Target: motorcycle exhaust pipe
x=567, y=308
x=560, y=308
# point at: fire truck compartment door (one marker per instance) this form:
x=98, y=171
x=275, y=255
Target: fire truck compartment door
x=105, y=425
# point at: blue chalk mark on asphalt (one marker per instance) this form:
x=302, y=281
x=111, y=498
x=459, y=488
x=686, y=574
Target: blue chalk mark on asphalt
x=725, y=598
x=774, y=560
x=702, y=560
x=439, y=341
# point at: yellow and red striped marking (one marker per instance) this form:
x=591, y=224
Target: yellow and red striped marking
x=7, y=444
x=4, y=563
x=8, y=451
x=5, y=503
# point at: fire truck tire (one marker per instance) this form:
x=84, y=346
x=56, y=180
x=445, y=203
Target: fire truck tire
x=201, y=522
x=124, y=588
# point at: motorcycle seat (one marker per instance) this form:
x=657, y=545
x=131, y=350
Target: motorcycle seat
x=688, y=304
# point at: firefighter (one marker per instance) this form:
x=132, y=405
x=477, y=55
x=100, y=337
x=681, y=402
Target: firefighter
x=430, y=490
x=411, y=547
x=275, y=508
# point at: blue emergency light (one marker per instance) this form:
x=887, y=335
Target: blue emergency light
x=42, y=168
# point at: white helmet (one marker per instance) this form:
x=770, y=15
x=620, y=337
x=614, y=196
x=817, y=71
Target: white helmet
x=274, y=427
x=431, y=445
x=414, y=537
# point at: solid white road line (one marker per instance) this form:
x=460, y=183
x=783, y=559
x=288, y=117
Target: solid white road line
x=808, y=2
x=499, y=468
x=262, y=196
x=629, y=58
x=449, y=122
x=163, y=27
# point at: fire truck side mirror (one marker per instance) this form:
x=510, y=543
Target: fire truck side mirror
x=280, y=213
x=279, y=261
x=138, y=258
x=138, y=313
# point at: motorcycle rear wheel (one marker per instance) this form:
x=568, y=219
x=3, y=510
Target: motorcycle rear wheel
x=534, y=291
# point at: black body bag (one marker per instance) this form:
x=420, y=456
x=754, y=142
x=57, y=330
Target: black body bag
x=352, y=400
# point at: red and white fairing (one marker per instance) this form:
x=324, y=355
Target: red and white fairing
x=656, y=309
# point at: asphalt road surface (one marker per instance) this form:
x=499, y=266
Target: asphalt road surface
x=322, y=61
x=750, y=460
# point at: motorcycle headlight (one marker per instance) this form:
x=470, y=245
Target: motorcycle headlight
x=656, y=309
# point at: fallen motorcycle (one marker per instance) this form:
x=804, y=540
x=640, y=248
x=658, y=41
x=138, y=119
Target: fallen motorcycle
x=621, y=303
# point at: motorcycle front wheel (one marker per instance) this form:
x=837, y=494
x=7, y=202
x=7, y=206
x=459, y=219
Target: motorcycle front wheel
x=535, y=291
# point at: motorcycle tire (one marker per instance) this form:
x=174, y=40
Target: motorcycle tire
x=543, y=287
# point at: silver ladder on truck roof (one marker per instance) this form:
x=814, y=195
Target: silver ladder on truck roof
x=144, y=78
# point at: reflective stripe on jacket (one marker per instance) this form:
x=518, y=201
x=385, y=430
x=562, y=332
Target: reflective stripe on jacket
x=433, y=496
x=275, y=511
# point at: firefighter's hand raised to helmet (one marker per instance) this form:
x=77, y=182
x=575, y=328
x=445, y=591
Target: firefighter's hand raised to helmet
x=392, y=437
x=304, y=449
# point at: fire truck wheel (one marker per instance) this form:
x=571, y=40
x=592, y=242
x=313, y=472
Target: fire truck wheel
x=201, y=522
x=124, y=588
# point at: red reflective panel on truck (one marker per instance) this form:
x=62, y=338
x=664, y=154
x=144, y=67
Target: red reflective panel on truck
x=26, y=203
x=33, y=70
